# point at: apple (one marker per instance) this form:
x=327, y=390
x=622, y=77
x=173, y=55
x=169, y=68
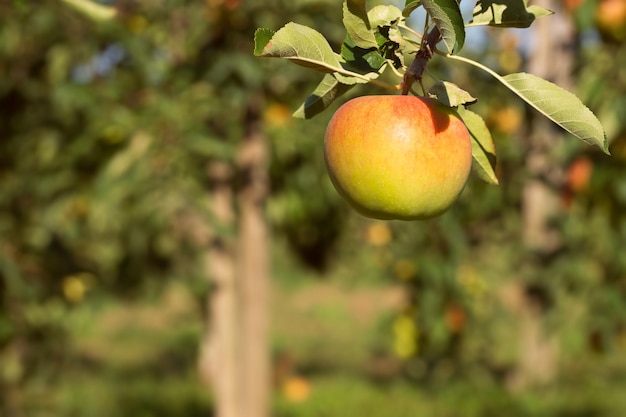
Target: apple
x=572, y=6
x=398, y=157
x=297, y=389
x=579, y=174
x=611, y=20
x=455, y=318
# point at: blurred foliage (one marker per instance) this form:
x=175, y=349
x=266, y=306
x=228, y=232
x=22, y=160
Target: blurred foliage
x=106, y=134
x=462, y=320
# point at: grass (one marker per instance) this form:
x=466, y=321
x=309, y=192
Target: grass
x=331, y=339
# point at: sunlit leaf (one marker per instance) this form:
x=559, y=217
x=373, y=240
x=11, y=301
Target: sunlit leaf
x=301, y=44
x=325, y=93
x=447, y=16
x=307, y=47
x=560, y=106
x=506, y=13
x=450, y=94
x=483, y=148
x=357, y=24
x=384, y=15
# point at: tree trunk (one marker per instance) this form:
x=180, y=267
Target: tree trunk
x=253, y=270
x=552, y=58
x=219, y=352
x=235, y=357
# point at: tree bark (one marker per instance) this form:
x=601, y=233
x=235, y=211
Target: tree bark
x=219, y=351
x=253, y=269
x=235, y=356
x=552, y=59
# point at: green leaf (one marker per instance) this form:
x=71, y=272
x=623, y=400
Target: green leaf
x=450, y=94
x=447, y=17
x=560, y=106
x=351, y=79
x=326, y=92
x=357, y=24
x=301, y=44
x=506, y=13
x=391, y=45
x=93, y=10
x=384, y=16
x=361, y=59
x=483, y=149
x=307, y=47
x=262, y=37
x=410, y=6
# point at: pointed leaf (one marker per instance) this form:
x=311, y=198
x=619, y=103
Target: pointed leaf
x=262, y=37
x=538, y=11
x=559, y=105
x=506, y=13
x=301, y=44
x=325, y=93
x=357, y=24
x=483, y=149
x=450, y=94
x=447, y=17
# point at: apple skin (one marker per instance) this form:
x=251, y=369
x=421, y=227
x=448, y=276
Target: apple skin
x=398, y=157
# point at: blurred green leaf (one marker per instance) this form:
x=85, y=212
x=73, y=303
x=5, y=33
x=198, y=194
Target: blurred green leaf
x=93, y=10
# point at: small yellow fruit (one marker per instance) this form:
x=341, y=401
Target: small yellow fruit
x=297, y=389
x=378, y=234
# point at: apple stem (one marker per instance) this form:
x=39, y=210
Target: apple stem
x=416, y=70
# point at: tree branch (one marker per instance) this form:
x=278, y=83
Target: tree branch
x=418, y=66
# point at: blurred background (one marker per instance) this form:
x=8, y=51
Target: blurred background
x=164, y=220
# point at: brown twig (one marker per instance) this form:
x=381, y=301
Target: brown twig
x=418, y=66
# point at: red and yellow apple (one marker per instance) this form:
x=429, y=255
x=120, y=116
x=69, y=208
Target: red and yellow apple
x=398, y=157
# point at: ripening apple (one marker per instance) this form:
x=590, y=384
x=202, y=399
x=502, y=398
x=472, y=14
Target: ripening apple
x=398, y=157
x=611, y=20
x=579, y=174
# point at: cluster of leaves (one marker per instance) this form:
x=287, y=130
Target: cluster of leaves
x=379, y=39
